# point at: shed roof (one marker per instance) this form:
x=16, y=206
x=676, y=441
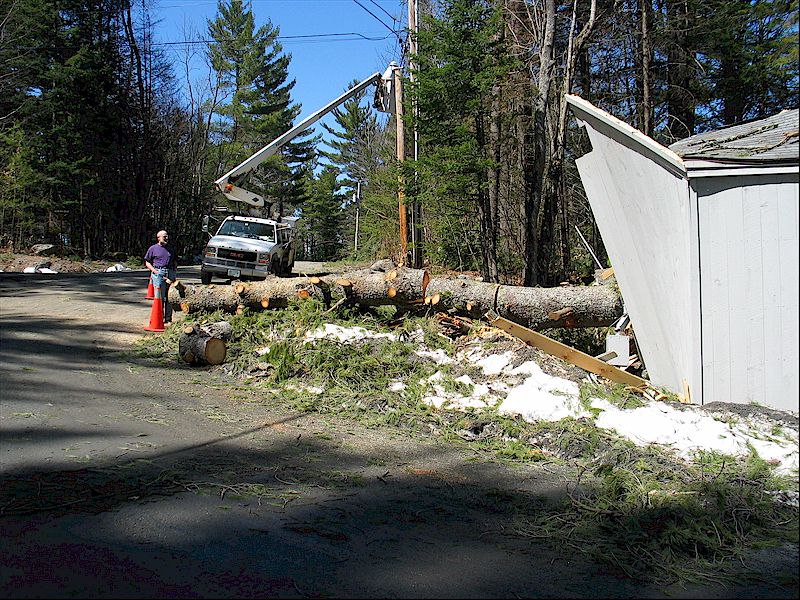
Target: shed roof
x=771, y=140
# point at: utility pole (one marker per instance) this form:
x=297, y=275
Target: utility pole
x=416, y=210
x=401, y=155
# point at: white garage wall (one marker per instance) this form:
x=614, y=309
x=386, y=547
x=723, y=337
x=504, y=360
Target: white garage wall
x=748, y=231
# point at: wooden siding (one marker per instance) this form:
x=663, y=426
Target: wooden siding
x=748, y=232
x=641, y=203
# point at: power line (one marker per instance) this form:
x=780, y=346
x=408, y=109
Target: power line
x=284, y=38
x=377, y=18
x=308, y=38
x=394, y=20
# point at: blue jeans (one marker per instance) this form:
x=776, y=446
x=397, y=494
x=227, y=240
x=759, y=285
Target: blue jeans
x=161, y=289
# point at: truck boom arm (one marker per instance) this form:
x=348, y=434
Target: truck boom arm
x=225, y=183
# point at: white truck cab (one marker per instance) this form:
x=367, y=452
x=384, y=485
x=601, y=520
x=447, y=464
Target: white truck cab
x=250, y=248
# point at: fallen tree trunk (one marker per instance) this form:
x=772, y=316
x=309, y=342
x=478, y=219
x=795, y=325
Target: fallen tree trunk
x=202, y=298
x=535, y=308
x=397, y=287
x=204, y=345
x=466, y=296
x=544, y=308
x=364, y=287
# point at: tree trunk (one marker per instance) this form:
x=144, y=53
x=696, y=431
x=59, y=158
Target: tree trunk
x=539, y=148
x=277, y=292
x=680, y=76
x=535, y=308
x=204, y=345
x=646, y=53
x=202, y=298
x=466, y=296
x=399, y=286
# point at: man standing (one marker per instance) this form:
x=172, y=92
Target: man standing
x=161, y=262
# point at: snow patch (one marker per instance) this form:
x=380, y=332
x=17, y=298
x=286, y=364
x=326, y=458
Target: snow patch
x=330, y=331
x=494, y=363
x=528, y=391
x=438, y=356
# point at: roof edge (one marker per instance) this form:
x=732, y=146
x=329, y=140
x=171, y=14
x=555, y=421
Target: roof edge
x=583, y=108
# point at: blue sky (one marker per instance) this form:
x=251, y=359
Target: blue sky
x=322, y=66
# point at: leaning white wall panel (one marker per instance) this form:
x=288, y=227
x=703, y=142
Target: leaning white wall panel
x=642, y=212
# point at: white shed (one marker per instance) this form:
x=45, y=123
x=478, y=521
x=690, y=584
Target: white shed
x=703, y=238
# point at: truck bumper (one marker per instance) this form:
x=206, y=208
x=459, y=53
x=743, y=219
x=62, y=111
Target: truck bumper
x=226, y=271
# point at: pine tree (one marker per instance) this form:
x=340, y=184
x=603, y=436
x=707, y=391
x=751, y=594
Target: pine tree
x=749, y=52
x=359, y=147
x=254, y=72
x=457, y=73
x=356, y=143
x=321, y=223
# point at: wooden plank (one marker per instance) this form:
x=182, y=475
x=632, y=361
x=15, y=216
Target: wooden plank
x=606, y=273
x=564, y=352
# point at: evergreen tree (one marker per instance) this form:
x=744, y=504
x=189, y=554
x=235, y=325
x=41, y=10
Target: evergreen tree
x=359, y=148
x=254, y=72
x=749, y=54
x=322, y=217
x=92, y=131
x=356, y=143
x=457, y=73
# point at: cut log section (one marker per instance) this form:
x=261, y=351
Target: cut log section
x=277, y=292
x=398, y=287
x=221, y=329
x=204, y=345
x=202, y=298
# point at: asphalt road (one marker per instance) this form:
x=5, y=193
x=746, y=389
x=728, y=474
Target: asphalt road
x=125, y=478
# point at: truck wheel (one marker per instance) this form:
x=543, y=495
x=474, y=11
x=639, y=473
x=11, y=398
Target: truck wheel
x=277, y=268
x=205, y=277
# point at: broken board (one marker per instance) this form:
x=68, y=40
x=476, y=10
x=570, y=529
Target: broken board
x=564, y=352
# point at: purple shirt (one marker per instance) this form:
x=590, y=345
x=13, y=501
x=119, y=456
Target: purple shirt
x=159, y=256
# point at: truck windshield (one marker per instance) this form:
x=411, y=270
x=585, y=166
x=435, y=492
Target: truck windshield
x=248, y=229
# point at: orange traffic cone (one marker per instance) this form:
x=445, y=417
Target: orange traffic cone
x=150, y=292
x=156, y=313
